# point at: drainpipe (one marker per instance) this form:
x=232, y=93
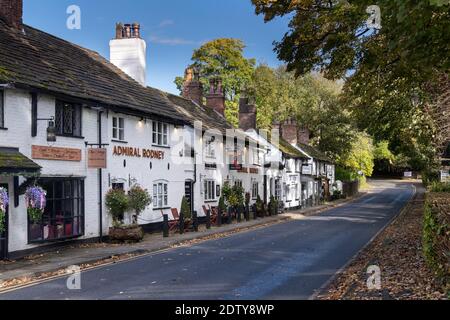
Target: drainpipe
x=100, y=179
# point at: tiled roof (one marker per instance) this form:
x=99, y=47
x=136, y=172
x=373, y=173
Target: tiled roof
x=12, y=161
x=313, y=152
x=192, y=112
x=39, y=60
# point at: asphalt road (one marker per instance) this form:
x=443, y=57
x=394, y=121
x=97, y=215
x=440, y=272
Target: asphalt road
x=284, y=261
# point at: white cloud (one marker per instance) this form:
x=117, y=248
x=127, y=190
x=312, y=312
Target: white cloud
x=172, y=41
x=166, y=23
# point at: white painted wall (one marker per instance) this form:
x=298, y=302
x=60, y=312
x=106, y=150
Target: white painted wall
x=18, y=135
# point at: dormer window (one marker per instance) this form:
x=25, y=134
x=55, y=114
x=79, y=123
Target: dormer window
x=160, y=135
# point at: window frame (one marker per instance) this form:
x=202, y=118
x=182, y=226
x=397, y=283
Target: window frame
x=2, y=109
x=255, y=187
x=77, y=115
x=159, y=134
x=257, y=157
x=209, y=190
x=160, y=195
x=117, y=129
x=63, y=199
x=210, y=150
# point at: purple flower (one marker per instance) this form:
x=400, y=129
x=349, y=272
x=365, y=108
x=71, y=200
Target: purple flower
x=35, y=198
x=4, y=199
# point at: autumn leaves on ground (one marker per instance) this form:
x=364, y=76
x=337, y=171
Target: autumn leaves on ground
x=398, y=251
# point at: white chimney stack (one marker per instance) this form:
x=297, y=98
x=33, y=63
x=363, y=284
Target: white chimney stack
x=128, y=51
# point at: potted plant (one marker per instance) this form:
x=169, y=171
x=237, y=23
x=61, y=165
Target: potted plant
x=117, y=203
x=4, y=201
x=35, y=199
x=139, y=199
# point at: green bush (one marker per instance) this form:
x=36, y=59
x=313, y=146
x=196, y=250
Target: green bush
x=429, y=176
x=273, y=205
x=138, y=200
x=222, y=205
x=439, y=187
x=260, y=210
x=185, y=209
x=436, y=235
x=117, y=203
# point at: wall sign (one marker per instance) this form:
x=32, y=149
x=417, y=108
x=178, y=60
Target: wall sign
x=445, y=176
x=138, y=153
x=57, y=154
x=97, y=158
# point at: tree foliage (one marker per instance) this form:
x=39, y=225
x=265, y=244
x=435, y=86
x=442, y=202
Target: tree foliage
x=224, y=58
x=311, y=100
x=385, y=69
x=361, y=156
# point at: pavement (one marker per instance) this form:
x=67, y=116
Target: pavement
x=289, y=260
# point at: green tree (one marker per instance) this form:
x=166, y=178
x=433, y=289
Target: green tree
x=224, y=58
x=385, y=69
x=312, y=100
x=360, y=159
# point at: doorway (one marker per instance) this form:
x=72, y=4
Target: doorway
x=189, y=193
x=4, y=235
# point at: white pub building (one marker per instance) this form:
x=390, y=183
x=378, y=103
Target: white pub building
x=78, y=125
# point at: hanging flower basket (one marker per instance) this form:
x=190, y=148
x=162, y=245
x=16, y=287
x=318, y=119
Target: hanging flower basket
x=35, y=198
x=4, y=201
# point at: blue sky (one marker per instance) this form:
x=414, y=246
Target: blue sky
x=172, y=29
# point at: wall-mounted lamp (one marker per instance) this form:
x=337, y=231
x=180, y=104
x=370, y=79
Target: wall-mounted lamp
x=51, y=129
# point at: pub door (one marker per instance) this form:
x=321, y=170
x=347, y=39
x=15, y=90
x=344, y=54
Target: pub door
x=4, y=235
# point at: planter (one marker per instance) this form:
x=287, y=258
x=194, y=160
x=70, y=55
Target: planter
x=126, y=234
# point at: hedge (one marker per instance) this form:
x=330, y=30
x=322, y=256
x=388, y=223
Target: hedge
x=436, y=235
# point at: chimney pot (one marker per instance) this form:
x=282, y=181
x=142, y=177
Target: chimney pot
x=127, y=31
x=11, y=11
x=119, y=30
x=136, y=30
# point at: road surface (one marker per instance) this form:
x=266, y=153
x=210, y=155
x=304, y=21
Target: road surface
x=285, y=261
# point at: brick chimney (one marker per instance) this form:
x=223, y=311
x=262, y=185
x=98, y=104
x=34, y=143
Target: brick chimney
x=304, y=135
x=247, y=114
x=215, y=99
x=128, y=51
x=192, y=87
x=11, y=11
x=289, y=131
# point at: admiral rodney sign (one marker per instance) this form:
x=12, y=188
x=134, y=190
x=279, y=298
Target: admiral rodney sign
x=138, y=153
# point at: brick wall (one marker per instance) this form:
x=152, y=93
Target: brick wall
x=11, y=11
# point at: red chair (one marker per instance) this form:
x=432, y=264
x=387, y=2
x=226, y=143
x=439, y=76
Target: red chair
x=173, y=224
